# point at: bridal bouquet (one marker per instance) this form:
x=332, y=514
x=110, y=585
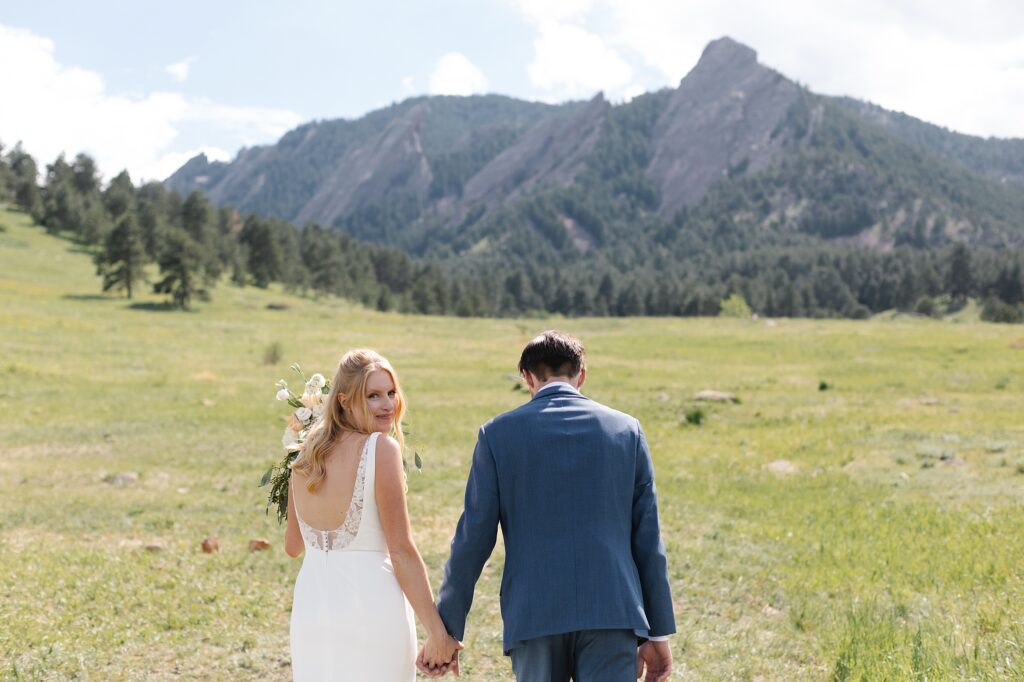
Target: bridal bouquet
x=306, y=409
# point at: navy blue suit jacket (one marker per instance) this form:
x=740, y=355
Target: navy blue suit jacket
x=571, y=484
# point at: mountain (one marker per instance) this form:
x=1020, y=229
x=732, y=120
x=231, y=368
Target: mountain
x=736, y=157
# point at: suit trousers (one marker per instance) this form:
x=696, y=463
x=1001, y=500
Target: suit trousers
x=581, y=656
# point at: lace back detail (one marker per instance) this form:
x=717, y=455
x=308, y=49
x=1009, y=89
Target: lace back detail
x=342, y=536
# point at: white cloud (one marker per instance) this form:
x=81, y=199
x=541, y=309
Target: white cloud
x=179, y=70
x=454, y=74
x=569, y=60
x=572, y=62
x=54, y=109
x=408, y=85
x=963, y=70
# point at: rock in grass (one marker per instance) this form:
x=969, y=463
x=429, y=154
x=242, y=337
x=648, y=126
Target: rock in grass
x=782, y=467
x=125, y=478
x=258, y=545
x=715, y=396
x=211, y=544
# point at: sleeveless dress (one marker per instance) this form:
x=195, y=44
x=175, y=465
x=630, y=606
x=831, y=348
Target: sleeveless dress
x=350, y=619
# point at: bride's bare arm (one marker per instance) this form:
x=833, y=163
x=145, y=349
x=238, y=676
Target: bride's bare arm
x=409, y=567
x=293, y=544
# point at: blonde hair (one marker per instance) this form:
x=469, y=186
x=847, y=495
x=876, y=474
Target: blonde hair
x=354, y=369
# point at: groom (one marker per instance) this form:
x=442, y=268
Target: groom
x=585, y=592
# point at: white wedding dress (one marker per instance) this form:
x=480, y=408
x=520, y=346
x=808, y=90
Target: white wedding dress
x=350, y=619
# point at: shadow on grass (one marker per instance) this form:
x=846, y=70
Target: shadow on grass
x=87, y=297
x=76, y=247
x=163, y=307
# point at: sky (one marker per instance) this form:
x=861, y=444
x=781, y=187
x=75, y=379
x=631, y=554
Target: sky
x=146, y=86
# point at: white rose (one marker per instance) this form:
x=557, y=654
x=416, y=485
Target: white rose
x=282, y=394
x=316, y=383
x=303, y=414
x=289, y=438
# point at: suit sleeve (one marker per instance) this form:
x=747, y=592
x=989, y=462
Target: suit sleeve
x=473, y=542
x=648, y=549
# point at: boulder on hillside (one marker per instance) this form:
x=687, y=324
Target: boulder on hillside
x=782, y=467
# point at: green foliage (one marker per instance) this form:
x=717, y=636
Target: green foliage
x=181, y=268
x=996, y=310
x=121, y=261
x=735, y=306
x=695, y=416
x=278, y=478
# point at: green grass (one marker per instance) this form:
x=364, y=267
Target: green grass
x=893, y=552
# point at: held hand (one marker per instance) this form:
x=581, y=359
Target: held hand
x=439, y=655
x=440, y=671
x=657, y=658
x=439, y=649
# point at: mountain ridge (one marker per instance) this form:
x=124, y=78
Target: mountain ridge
x=471, y=176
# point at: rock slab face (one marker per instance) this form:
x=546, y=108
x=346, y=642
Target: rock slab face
x=721, y=118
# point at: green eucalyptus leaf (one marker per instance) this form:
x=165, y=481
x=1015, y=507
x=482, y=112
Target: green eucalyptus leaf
x=418, y=461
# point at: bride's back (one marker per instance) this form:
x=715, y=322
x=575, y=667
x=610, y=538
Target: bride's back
x=326, y=507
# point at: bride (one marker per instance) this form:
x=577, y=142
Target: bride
x=362, y=576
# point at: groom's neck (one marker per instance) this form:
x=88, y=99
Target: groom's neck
x=539, y=385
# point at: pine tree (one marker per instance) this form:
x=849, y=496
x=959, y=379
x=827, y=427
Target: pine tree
x=959, y=278
x=200, y=221
x=119, y=197
x=181, y=267
x=265, y=263
x=6, y=177
x=121, y=261
x=26, y=192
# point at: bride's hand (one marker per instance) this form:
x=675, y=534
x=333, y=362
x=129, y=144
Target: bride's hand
x=439, y=650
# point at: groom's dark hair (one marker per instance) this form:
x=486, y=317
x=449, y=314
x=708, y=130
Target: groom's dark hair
x=553, y=353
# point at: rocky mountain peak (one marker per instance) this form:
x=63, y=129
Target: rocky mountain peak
x=721, y=117
x=725, y=55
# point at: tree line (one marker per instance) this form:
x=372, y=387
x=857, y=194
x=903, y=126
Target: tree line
x=688, y=272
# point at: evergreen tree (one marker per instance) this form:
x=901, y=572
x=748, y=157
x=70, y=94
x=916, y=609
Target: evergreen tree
x=92, y=222
x=265, y=262
x=119, y=197
x=959, y=278
x=1010, y=283
x=25, y=176
x=181, y=269
x=121, y=261
x=62, y=206
x=6, y=177
x=200, y=221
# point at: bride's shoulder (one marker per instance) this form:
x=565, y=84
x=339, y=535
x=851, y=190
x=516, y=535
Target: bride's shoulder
x=388, y=446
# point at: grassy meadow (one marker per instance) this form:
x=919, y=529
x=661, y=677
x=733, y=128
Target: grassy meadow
x=872, y=530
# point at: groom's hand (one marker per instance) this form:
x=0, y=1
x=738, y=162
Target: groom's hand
x=657, y=658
